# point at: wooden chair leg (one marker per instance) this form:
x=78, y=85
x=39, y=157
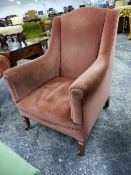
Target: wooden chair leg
x=26, y=123
x=81, y=149
x=107, y=103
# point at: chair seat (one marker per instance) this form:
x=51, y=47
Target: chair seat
x=51, y=103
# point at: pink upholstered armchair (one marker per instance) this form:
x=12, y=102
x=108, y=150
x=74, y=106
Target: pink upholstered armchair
x=66, y=88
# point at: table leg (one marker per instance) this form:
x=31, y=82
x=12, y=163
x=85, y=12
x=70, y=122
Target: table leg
x=21, y=38
x=129, y=37
x=13, y=63
x=3, y=41
x=123, y=27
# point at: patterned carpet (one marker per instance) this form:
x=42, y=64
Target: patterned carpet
x=109, y=145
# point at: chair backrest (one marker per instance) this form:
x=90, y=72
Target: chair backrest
x=81, y=32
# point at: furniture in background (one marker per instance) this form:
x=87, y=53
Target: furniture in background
x=125, y=12
x=45, y=24
x=31, y=14
x=3, y=41
x=66, y=88
x=121, y=3
x=3, y=22
x=51, y=13
x=83, y=5
x=70, y=8
x=11, y=31
x=29, y=51
x=12, y=164
x=65, y=9
x=17, y=20
x=8, y=19
x=123, y=25
x=4, y=64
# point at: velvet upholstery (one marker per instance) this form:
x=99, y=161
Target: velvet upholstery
x=66, y=88
x=4, y=64
x=80, y=32
x=50, y=102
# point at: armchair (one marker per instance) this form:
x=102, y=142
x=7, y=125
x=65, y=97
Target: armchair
x=66, y=88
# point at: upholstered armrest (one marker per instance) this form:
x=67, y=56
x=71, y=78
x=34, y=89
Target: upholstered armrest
x=26, y=78
x=88, y=82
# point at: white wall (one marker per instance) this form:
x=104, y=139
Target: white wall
x=40, y=5
x=19, y=10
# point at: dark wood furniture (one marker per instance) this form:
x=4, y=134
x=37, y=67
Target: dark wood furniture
x=32, y=20
x=8, y=19
x=3, y=41
x=4, y=38
x=27, y=52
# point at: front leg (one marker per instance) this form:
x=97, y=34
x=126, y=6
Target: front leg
x=81, y=149
x=107, y=103
x=26, y=123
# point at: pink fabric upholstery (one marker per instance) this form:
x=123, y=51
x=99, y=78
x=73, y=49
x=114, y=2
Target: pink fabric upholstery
x=76, y=133
x=4, y=64
x=81, y=33
x=50, y=102
x=93, y=78
x=67, y=88
x=85, y=85
x=37, y=72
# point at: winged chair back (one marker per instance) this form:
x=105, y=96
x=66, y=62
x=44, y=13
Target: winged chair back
x=79, y=36
x=81, y=32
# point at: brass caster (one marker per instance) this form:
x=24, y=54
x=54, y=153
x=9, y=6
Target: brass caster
x=107, y=103
x=26, y=123
x=81, y=149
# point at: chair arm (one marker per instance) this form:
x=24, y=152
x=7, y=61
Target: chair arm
x=84, y=85
x=26, y=78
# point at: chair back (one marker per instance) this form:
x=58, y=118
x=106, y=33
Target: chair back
x=81, y=32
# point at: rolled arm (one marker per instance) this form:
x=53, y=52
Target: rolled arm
x=88, y=82
x=91, y=79
x=24, y=79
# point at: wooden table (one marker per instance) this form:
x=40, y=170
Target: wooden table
x=15, y=54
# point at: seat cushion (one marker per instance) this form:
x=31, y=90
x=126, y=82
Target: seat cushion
x=50, y=102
